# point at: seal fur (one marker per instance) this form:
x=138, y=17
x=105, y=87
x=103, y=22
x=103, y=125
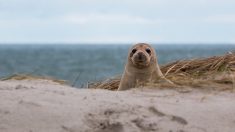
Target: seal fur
x=141, y=67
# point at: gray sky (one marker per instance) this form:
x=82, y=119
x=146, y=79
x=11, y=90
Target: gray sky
x=117, y=21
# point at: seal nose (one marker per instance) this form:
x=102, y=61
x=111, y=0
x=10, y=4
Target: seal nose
x=141, y=56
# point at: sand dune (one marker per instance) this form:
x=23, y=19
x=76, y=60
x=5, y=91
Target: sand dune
x=45, y=106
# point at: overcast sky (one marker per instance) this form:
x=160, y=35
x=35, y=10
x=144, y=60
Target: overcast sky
x=117, y=21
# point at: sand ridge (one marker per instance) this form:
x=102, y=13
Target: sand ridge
x=43, y=105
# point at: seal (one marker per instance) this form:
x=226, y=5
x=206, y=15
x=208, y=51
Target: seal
x=141, y=68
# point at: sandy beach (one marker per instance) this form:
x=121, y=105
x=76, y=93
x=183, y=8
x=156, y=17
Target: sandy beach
x=46, y=106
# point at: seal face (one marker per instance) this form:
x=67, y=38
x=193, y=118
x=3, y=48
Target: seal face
x=141, y=67
x=140, y=56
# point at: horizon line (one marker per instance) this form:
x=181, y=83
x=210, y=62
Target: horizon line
x=116, y=43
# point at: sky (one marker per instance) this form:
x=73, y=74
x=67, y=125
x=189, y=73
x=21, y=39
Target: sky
x=117, y=21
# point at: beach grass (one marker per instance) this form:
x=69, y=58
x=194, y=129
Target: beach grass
x=214, y=72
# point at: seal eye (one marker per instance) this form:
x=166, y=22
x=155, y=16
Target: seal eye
x=148, y=51
x=133, y=51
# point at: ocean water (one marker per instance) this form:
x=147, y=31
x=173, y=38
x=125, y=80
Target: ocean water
x=89, y=63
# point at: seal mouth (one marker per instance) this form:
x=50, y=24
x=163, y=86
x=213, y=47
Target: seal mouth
x=140, y=63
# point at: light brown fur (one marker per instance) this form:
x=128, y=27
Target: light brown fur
x=141, y=67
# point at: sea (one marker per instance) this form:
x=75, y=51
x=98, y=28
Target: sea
x=83, y=63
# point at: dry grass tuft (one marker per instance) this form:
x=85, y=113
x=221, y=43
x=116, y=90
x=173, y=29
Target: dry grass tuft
x=216, y=72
